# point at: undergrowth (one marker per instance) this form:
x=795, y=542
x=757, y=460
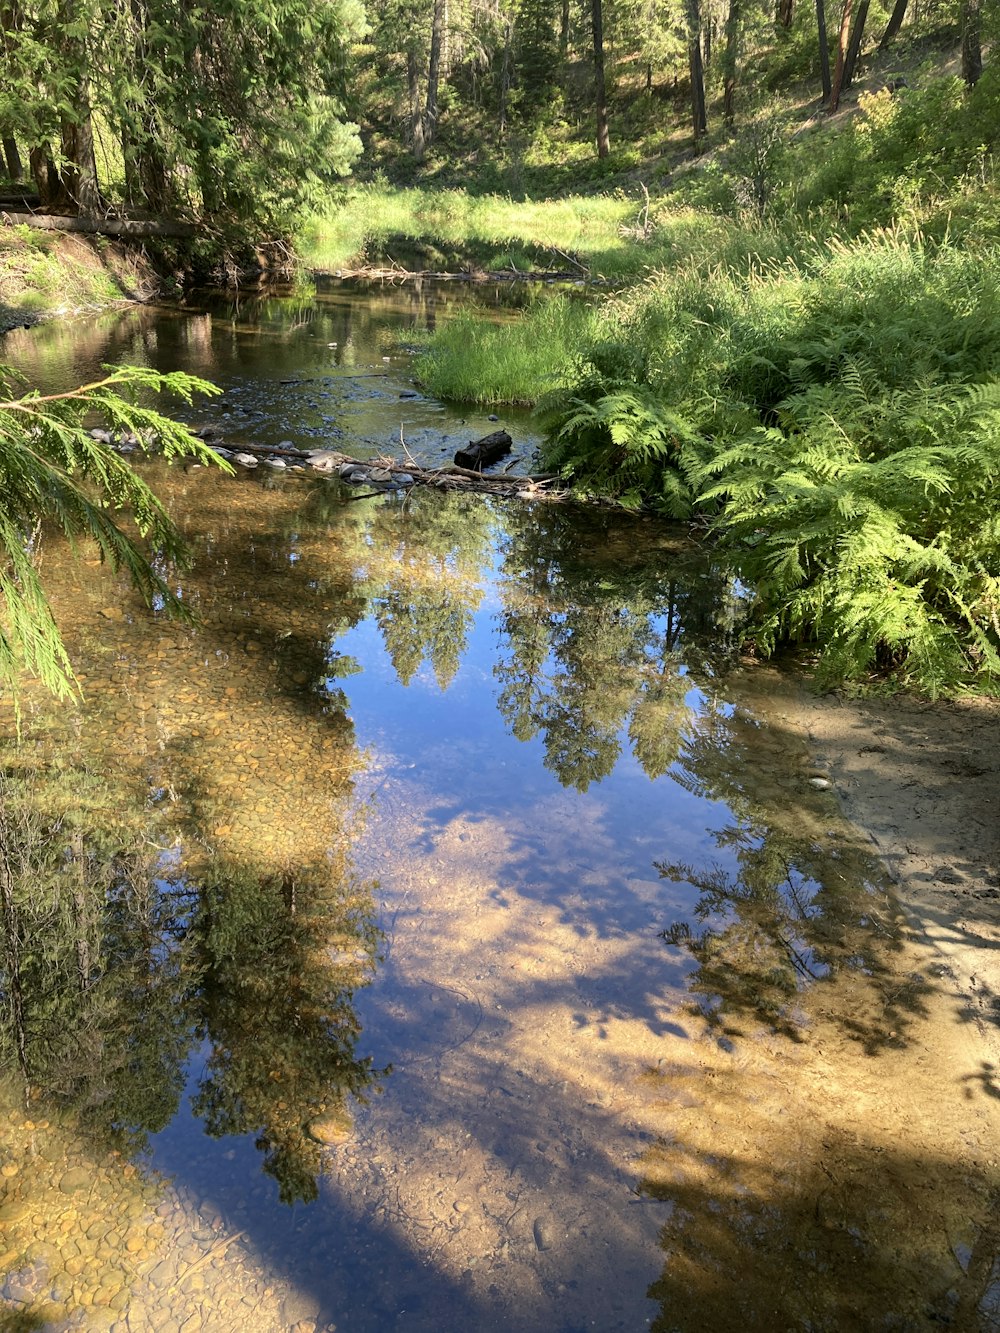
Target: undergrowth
x=837, y=417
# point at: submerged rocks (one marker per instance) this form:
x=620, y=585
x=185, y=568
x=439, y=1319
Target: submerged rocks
x=332, y=1128
x=325, y=460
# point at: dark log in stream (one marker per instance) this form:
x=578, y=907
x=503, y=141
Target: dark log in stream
x=478, y=454
x=100, y=226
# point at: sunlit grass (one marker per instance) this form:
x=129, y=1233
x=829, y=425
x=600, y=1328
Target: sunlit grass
x=359, y=219
x=473, y=361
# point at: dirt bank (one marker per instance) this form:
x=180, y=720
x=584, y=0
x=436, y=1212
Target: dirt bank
x=44, y=274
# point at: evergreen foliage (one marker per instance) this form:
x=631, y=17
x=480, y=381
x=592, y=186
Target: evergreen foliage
x=56, y=473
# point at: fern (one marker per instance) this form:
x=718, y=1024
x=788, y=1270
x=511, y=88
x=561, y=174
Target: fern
x=884, y=560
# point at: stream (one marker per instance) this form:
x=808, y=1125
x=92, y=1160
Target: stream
x=447, y=929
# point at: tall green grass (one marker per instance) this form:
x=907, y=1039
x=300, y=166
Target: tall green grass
x=477, y=362
x=365, y=215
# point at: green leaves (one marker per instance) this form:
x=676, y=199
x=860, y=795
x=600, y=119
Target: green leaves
x=52, y=471
x=883, y=562
x=838, y=422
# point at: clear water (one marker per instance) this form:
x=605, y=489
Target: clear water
x=450, y=833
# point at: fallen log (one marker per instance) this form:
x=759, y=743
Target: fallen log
x=478, y=454
x=100, y=226
x=408, y=474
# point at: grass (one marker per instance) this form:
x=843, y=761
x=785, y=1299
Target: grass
x=43, y=273
x=494, y=229
x=479, y=362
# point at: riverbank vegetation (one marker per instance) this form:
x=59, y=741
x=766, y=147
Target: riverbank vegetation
x=813, y=372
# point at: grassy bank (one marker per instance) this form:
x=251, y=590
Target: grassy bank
x=44, y=273
x=811, y=362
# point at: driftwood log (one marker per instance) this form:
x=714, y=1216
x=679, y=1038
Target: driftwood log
x=478, y=454
x=100, y=226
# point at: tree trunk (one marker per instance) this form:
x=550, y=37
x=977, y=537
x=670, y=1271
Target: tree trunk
x=79, y=175
x=46, y=177
x=505, y=75
x=729, y=63
x=101, y=226
x=786, y=12
x=564, y=30
x=416, y=115
x=854, y=47
x=972, y=50
x=600, y=89
x=824, y=48
x=699, y=117
x=12, y=158
x=894, y=24
x=838, y=73
x=434, y=72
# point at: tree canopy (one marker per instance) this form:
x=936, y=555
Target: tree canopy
x=231, y=112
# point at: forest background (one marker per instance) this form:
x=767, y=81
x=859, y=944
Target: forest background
x=792, y=214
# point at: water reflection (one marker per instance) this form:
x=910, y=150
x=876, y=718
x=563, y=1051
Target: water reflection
x=278, y=961
x=120, y=963
x=788, y=901
x=598, y=640
x=314, y=368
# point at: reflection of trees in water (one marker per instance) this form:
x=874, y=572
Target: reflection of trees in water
x=115, y=964
x=795, y=902
x=92, y=957
x=600, y=635
x=801, y=1198
x=833, y=1243
x=276, y=1005
x=421, y=567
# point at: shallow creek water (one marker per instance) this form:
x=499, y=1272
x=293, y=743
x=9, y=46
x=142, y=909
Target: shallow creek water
x=445, y=931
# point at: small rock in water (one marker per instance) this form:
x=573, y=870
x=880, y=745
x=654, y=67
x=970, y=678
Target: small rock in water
x=276, y=462
x=244, y=460
x=76, y=1178
x=409, y=393
x=544, y=1233
x=298, y=1306
x=332, y=1128
x=284, y=444
x=492, y=417
x=223, y=453
x=821, y=784
x=379, y=474
x=325, y=460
